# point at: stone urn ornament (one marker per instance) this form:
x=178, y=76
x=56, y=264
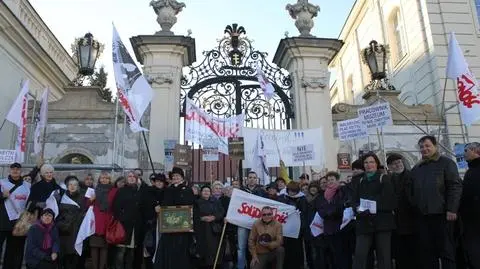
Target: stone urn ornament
x=166, y=11
x=303, y=12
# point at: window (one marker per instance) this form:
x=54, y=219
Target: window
x=397, y=36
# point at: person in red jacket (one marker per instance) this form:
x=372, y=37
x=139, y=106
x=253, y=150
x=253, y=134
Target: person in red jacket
x=102, y=209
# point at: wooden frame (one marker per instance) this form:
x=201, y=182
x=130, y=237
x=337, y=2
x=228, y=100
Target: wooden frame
x=175, y=219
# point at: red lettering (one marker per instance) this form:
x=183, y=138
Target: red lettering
x=20, y=197
x=255, y=212
x=465, y=95
x=218, y=129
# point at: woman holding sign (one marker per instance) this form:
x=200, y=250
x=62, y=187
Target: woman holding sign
x=373, y=200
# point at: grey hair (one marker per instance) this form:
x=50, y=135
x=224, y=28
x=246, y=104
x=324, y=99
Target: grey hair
x=217, y=183
x=474, y=146
x=46, y=168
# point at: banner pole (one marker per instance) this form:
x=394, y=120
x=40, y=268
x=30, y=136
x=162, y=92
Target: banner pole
x=220, y=244
x=148, y=149
x=115, y=130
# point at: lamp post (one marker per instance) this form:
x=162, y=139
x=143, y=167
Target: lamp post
x=375, y=56
x=86, y=52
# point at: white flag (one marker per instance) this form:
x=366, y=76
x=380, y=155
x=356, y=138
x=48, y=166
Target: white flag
x=467, y=84
x=51, y=203
x=263, y=173
x=18, y=116
x=267, y=87
x=87, y=228
x=42, y=122
x=134, y=92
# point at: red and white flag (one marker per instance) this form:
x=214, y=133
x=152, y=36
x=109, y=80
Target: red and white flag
x=134, y=92
x=41, y=123
x=18, y=116
x=267, y=87
x=467, y=84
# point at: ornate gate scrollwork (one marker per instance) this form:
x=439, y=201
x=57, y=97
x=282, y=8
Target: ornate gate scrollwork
x=225, y=83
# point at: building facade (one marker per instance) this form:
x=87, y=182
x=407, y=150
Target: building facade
x=416, y=32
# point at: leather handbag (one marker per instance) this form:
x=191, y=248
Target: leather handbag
x=115, y=233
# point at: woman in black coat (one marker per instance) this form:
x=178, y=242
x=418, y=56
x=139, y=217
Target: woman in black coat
x=173, y=248
x=127, y=209
x=294, y=251
x=41, y=190
x=374, y=227
x=72, y=209
x=208, y=221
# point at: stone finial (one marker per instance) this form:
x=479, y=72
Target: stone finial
x=303, y=12
x=166, y=11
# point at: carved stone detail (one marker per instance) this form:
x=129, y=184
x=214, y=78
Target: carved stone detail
x=303, y=12
x=160, y=79
x=166, y=11
x=315, y=82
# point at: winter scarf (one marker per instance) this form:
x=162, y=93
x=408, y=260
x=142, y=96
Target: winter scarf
x=101, y=196
x=370, y=175
x=331, y=191
x=47, y=237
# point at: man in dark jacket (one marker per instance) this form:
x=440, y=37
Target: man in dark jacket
x=470, y=206
x=403, y=238
x=435, y=195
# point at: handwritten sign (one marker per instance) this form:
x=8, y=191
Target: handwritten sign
x=376, y=116
x=210, y=154
x=303, y=153
x=169, y=148
x=7, y=156
x=351, y=129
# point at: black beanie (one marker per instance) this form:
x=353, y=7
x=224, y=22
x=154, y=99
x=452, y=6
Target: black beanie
x=48, y=211
x=178, y=170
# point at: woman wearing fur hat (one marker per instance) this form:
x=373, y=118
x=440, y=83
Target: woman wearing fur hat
x=43, y=243
x=173, y=248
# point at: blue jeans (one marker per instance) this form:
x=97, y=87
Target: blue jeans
x=242, y=238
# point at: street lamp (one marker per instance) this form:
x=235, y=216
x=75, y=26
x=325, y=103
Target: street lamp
x=375, y=56
x=87, y=50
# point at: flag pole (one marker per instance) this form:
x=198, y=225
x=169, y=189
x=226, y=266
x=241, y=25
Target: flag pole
x=148, y=148
x=115, y=128
x=3, y=123
x=220, y=244
x=442, y=110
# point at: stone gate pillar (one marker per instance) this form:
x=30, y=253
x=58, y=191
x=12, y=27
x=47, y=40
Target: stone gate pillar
x=163, y=56
x=306, y=58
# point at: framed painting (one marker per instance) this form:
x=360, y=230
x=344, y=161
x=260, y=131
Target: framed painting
x=175, y=219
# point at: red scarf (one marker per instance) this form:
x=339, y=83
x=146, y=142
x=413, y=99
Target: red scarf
x=331, y=191
x=47, y=235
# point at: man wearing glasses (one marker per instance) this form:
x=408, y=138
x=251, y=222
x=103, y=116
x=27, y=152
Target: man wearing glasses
x=265, y=241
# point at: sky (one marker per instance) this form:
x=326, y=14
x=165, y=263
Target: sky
x=265, y=21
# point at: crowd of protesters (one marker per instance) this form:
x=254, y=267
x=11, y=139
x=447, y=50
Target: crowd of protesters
x=426, y=217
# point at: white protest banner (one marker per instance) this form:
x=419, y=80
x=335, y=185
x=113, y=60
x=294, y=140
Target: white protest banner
x=7, y=156
x=246, y=208
x=201, y=128
x=351, y=129
x=303, y=153
x=376, y=116
x=285, y=142
x=169, y=148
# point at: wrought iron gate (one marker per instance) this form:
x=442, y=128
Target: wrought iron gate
x=224, y=84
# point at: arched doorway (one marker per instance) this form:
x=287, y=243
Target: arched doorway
x=75, y=158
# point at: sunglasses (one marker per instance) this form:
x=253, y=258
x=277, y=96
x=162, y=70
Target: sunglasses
x=267, y=214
